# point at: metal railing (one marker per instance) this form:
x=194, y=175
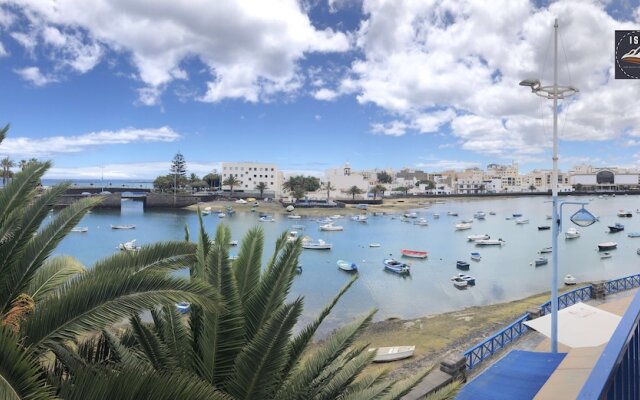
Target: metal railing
x=616, y=374
x=568, y=299
x=492, y=344
x=626, y=283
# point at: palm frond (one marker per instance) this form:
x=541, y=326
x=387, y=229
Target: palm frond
x=302, y=340
x=366, y=381
x=153, y=348
x=223, y=334
x=54, y=272
x=272, y=289
x=401, y=388
x=174, y=334
x=3, y=132
x=281, y=241
x=329, y=389
x=134, y=384
x=372, y=392
x=448, y=392
x=306, y=372
x=19, y=191
x=93, y=301
x=20, y=376
x=39, y=247
x=249, y=263
x=202, y=251
x=158, y=257
x=259, y=365
x=187, y=234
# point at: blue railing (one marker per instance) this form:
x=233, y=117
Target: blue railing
x=568, y=299
x=492, y=344
x=617, y=285
x=616, y=374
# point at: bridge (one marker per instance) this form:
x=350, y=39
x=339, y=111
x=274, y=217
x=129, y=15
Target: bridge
x=79, y=190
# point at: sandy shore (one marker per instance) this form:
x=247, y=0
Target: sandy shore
x=390, y=206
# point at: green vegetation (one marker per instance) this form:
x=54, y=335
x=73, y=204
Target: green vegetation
x=231, y=181
x=353, y=191
x=384, y=177
x=300, y=185
x=213, y=180
x=403, y=189
x=328, y=187
x=261, y=187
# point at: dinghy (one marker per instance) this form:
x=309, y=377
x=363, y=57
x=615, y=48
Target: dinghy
x=396, y=266
x=414, y=253
x=385, y=354
x=347, y=266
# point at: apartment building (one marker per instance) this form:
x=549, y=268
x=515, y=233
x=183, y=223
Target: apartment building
x=250, y=174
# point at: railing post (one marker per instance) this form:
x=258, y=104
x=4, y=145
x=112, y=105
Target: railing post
x=455, y=366
x=534, y=312
x=598, y=291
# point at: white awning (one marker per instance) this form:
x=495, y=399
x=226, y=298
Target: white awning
x=579, y=325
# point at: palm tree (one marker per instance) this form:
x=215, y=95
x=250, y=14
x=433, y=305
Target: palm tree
x=261, y=187
x=353, y=191
x=248, y=350
x=231, y=181
x=328, y=187
x=22, y=164
x=381, y=189
x=6, y=164
x=47, y=303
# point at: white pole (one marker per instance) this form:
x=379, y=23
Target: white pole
x=554, y=195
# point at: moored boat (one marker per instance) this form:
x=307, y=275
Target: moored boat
x=436, y=215
x=463, y=226
x=292, y=236
x=522, y=221
x=541, y=261
x=476, y=256
x=473, y=238
x=490, y=242
x=129, y=246
x=359, y=218
x=374, y=244
x=516, y=215
x=81, y=229
x=385, y=354
x=183, y=307
x=266, y=219
x=459, y=283
x=347, y=266
x=463, y=265
x=221, y=215
x=546, y=250
x=569, y=279
x=129, y=226
x=606, y=254
x=421, y=222
x=480, y=215
x=411, y=215
x=492, y=213
x=471, y=281
x=607, y=246
x=616, y=228
x=414, y=253
x=294, y=216
x=330, y=227
x=625, y=214
x=633, y=234
x=319, y=245
x=544, y=228
x=467, y=221
x=572, y=233
x=452, y=213
x=396, y=266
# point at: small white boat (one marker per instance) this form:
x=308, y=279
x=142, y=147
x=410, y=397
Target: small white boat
x=298, y=227
x=462, y=226
x=233, y=257
x=359, y=218
x=471, y=281
x=546, y=250
x=411, y=215
x=294, y=216
x=337, y=216
x=292, y=236
x=221, y=215
x=319, y=245
x=549, y=217
x=467, y=221
x=347, y=266
x=541, y=261
x=633, y=234
x=374, y=244
x=233, y=243
x=607, y=246
x=183, y=307
x=572, y=233
x=241, y=201
x=480, y=215
x=205, y=212
x=330, y=227
x=569, y=280
x=606, y=254
x=473, y=238
x=325, y=220
x=385, y=354
x=490, y=242
x=129, y=246
x=522, y=221
x=266, y=219
x=123, y=226
x=421, y=222
x=623, y=213
x=460, y=283
x=476, y=256
x=81, y=229
x=436, y=215
x=453, y=214
x=396, y=266
x=492, y=213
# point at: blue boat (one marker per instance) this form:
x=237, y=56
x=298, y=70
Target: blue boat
x=463, y=265
x=476, y=256
x=396, y=266
x=516, y=215
x=616, y=228
x=347, y=266
x=183, y=307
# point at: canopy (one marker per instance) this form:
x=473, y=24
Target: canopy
x=518, y=375
x=579, y=325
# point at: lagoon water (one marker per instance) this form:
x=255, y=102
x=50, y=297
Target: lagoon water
x=504, y=273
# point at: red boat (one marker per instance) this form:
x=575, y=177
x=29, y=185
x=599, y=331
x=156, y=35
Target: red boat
x=414, y=253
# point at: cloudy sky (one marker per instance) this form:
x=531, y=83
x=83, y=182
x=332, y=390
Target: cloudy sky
x=309, y=84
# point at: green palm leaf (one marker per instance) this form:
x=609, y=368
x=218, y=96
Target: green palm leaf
x=154, y=349
x=20, y=190
x=202, y=251
x=53, y=273
x=20, y=377
x=400, y=389
x=160, y=257
x=249, y=263
x=329, y=389
x=259, y=365
x=173, y=333
x=93, y=301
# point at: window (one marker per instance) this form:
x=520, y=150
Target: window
x=272, y=183
x=255, y=176
x=249, y=178
x=272, y=170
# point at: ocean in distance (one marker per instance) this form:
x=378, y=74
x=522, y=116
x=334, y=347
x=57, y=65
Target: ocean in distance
x=505, y=272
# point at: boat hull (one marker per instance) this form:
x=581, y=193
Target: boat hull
x=386, y=354
x=414, y=253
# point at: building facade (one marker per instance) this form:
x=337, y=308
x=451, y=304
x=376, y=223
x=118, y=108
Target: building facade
x=250, y=174
x=589, y=178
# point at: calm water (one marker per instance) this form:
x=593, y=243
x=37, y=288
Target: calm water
x=505, y=273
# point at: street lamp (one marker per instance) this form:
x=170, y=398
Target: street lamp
x=582, y=217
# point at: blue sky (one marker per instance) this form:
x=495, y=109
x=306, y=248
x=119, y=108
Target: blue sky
x=309, y=84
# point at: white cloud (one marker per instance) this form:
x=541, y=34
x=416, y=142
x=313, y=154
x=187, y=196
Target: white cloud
x=252, y=49
x=33, y=75
x=3, y=51
x=441, y=165
x=147, y=170
x=48, y=146
x=27, y=41
x=469, y=56
x=325, y=94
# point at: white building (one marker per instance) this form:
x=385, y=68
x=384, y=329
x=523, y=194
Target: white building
x=586, y=177
x=342, y=179
x=250, y=174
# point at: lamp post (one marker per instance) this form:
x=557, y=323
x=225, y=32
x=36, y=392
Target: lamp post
x=555, y=93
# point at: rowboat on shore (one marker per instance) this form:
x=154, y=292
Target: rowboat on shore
x=414, y=253
x=386, y=354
